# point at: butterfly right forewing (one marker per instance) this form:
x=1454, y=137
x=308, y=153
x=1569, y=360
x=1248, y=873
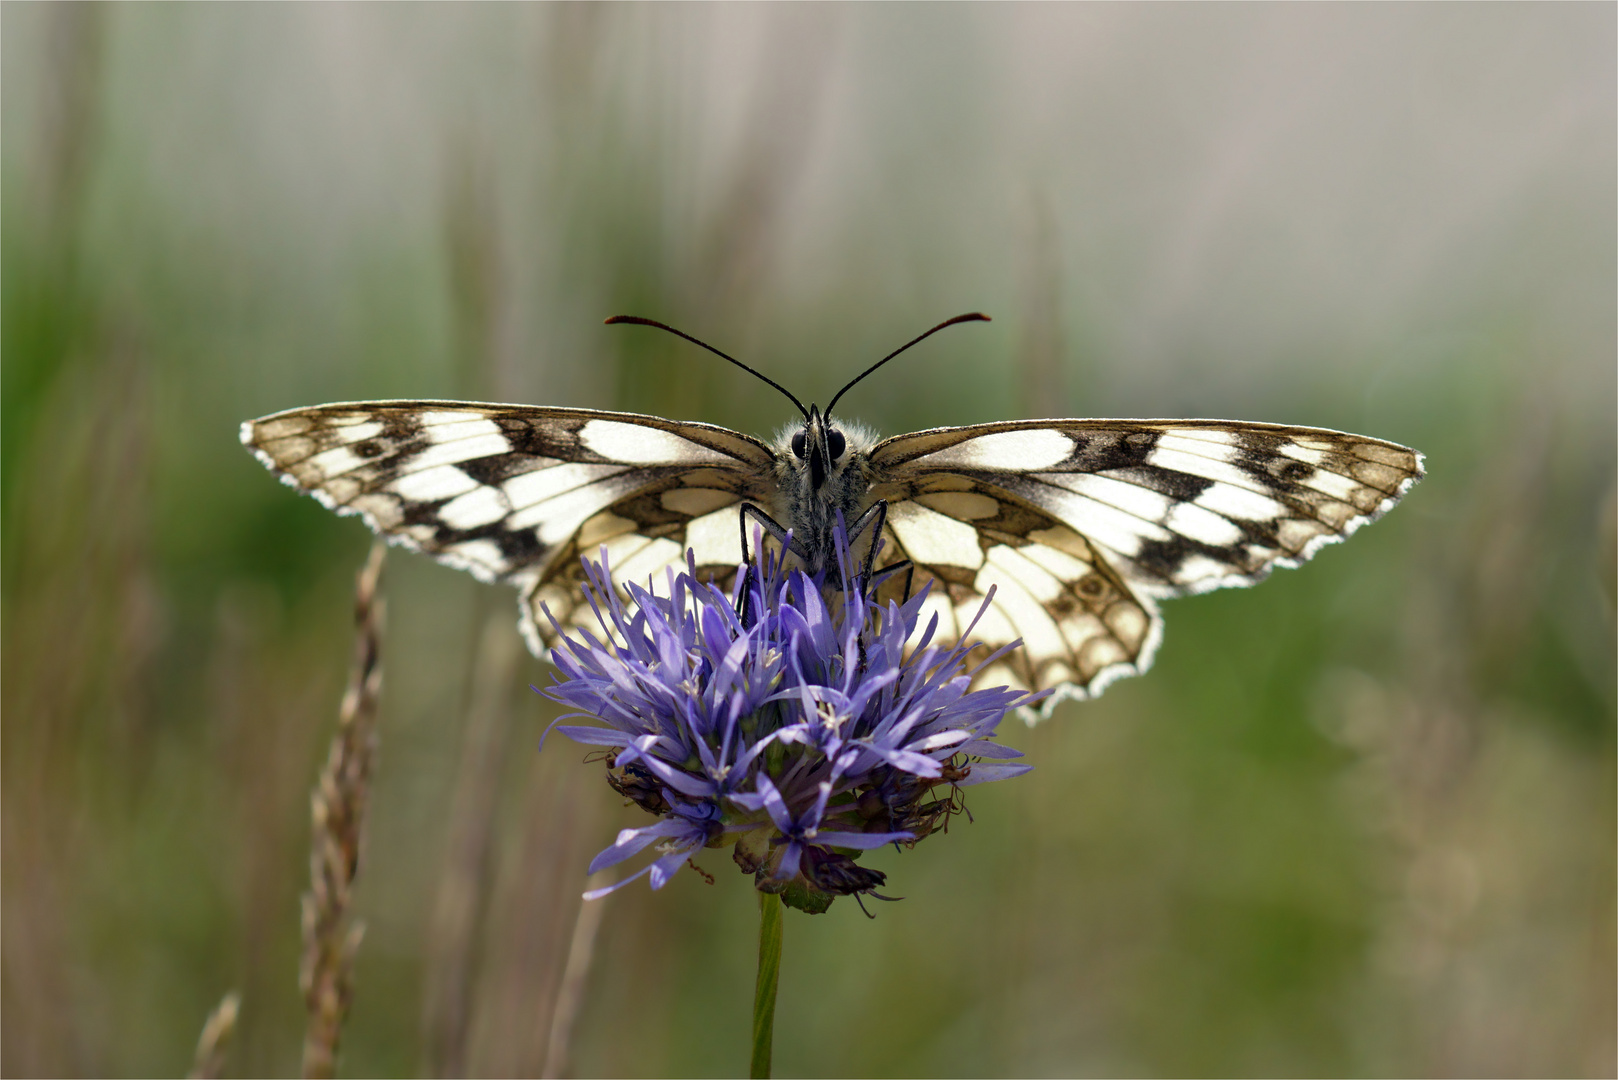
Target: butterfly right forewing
x=1148, y=508
x=1181, y=505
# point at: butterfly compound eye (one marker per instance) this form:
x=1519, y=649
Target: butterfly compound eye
x=836, y=444
x=798, y=446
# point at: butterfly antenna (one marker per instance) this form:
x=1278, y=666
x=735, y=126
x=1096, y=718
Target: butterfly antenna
x=971, y=317
x=638, y=321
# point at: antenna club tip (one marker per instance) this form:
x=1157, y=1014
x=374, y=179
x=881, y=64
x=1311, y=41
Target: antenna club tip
x=973, y=316
x=610, y=319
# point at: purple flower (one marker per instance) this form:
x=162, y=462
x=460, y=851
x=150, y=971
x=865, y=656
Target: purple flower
x=784, y=718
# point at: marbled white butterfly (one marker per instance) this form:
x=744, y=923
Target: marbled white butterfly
x=1080, y=526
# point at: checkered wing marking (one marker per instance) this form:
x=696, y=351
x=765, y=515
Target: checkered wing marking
x=516, y=493
x=1159, y=508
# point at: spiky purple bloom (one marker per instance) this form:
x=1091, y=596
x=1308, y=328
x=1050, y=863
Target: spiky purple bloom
x=783, y=718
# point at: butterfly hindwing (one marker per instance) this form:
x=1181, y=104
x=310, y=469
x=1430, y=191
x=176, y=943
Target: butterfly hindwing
x=1080, y=624
x=642, y=536
x=516, y=493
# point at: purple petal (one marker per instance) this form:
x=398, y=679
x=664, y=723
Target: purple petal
x=595, y=736
x=632, y=841
x=731, y=666
x=812, y=819
x=665, y=868
x=774, y=804
x=982, y=748
x=983, y=772
x=860, y=841
x=939, y=741
x=597, y=894
x=787, y=734
x=915, y=764
x=790, y=858
x=680, y=781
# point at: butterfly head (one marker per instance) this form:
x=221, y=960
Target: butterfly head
x=819, y=446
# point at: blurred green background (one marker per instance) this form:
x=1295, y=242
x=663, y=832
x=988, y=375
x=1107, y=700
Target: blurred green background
x=1357, y=821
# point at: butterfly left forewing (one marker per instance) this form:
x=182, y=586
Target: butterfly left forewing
x=516, y=493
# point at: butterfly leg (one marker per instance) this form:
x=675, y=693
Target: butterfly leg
x=875, y=519
x=893, y=568
x=778, y=534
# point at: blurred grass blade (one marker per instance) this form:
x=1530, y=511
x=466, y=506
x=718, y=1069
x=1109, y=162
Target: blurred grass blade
x=570, y=996
x=462, y=901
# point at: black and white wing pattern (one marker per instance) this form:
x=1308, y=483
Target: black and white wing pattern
x=516, y=493
x=1081, y=526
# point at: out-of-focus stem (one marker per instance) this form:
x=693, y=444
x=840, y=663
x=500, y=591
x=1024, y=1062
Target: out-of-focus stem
x=462, y=900
x=212, y=1046
x=337, y=807
x=1041, y=354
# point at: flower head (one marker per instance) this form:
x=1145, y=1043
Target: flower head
x=785, y=718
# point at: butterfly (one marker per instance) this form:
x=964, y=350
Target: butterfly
x=1079, y=527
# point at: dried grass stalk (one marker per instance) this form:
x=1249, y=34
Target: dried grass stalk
x=337, y=806
x=209, y=1063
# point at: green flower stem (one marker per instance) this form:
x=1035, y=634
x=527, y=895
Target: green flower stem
x=769, y=975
